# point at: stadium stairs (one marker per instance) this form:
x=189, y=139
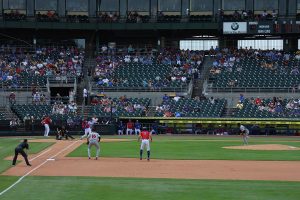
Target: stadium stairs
x=151, y=111
x=83, y=111
x=88, y=66
x=7, y=113
x=204, y=74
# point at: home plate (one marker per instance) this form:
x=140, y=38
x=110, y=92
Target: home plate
x=51, y=159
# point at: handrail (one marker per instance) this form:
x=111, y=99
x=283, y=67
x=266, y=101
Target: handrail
x=251, y=89
x=140, y=89
x=48, y=85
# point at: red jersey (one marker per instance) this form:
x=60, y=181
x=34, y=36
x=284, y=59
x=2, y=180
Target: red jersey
x=85, y=124
x=130, y=125
x=145, y=135
x=47, y=120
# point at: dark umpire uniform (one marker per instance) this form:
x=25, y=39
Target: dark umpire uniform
x=20, y=150
x=63, y=132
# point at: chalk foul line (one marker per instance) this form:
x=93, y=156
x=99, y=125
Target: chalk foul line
x=37, y=167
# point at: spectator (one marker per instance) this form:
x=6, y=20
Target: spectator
x=242, y=98
x=12, y=98
x=212, y=100
x=239, y=105
x=166, y=97
x=85, y=96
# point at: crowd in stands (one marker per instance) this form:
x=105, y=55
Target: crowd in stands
x=181, y=66
x=185, y=107
x=185, y=62
x=135, y=17
x=112, y=105
x=78, y=18
x=62, y=109
x=18, y=68
x=231, y=61
x=14, y=15
x=247, y=15
x=50, y=16
x=276, y=107
x=108, y=17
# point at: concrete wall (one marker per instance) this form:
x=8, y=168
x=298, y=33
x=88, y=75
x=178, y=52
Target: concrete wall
x=156, y=97
x=21, y=97
x=233, y=98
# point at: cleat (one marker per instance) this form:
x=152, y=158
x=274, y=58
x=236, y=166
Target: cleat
x=29, y=165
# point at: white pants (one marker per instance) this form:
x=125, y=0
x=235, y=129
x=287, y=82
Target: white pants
x=137, y=131
x=129, y=130
x=145, y=143
x=47, y=130
x=87, y=131
x=120, y=132
x=96, y=144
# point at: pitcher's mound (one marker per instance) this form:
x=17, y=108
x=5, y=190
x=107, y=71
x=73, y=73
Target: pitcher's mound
x=266, y=147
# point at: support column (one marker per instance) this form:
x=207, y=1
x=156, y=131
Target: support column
x=97, y=41
x=228, y=43
x=162, y=42
x=290, y=44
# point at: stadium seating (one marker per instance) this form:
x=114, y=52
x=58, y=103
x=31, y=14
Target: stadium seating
x=194, y=108
x=252, y=75
x=118, y=109
x=251, y=110
x=38, y=111
x=32, y=68
x=136, y=74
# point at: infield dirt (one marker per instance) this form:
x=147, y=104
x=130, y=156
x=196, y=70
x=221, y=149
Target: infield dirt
x=131, y=167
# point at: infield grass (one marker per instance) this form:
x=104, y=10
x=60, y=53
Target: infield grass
x=89, y=188
x=7, y=148
x=196, y=148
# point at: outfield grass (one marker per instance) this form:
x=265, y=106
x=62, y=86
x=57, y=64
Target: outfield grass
x=185, y=148
x=89, y=188
x=7, y=148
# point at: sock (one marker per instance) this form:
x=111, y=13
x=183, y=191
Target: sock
x=141, y=154
x=148, y=154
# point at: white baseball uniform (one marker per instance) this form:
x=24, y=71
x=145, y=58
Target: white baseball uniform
x=93, y=138
x=245, y=136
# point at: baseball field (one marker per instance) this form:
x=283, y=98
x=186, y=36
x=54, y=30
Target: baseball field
x=181, y=167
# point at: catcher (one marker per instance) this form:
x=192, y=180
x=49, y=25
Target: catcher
x=244, y=132
x=63, y=133
x=93, y=139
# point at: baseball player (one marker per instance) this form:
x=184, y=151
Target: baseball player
x=244, y=132
x=20, y=150
x=63, y=132
x=46, y=122
x=120, y=128
x=86, y=126
x=94, y=121
x=129, y=127
x=137, y=127
x=93, y=139
x=146, y=138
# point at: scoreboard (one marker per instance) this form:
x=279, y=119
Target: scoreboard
x=263, y=27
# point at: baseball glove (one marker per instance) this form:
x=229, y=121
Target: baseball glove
x=87, y=143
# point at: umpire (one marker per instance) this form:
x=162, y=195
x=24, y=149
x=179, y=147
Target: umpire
x=20, y=149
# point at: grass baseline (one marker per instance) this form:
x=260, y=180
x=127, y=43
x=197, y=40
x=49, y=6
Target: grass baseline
x=87, y=188
x=181, y=149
